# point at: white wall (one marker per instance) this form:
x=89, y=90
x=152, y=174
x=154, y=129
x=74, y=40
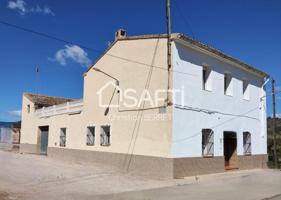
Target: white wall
x=187, y=124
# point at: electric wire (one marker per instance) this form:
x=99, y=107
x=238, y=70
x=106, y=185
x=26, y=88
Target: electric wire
x=213, y=127
x=48, y=36
x=184, y=18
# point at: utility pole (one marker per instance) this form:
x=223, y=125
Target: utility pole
x=169, y=62
x=274, y=124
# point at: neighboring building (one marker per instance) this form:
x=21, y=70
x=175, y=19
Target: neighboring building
x=216, y=121
x=9, y=135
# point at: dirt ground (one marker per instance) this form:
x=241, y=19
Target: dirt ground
x=24, y=176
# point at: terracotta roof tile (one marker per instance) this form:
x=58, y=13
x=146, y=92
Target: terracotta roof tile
x=44, y=100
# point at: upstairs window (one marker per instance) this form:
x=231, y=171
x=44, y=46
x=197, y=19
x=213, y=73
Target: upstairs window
x=62, y=137
x=90, y=141
x=207, y=142
x=206, y=81
x=105, y=136
x=228, y=88
x=28, y=108
x=246, y=91
x=247, y=144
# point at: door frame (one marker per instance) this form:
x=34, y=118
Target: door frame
x=231, y=138
x=45, y=130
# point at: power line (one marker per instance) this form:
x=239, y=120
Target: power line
x=270, y=94
x=204, y=110
x=215, y=126
x=48, y=36
x=184, y=18
x=45, y=35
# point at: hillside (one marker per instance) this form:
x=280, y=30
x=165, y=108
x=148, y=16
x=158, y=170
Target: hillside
x=270, y=140
x=16, y=124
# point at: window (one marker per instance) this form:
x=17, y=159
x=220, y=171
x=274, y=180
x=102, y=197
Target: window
x=228, y=84
x=90, y=141
x=105, y=136
x=28, y=108
x=207, y=142
x=206, y=83
x=246, y=92
x=247, y=143
x=62, y=137
x=162, y=110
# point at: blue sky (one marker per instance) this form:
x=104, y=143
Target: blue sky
x=249, y=30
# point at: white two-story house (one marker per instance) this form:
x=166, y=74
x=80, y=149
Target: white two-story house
x=210, y=113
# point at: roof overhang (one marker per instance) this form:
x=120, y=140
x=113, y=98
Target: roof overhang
x=194, y=44
x=180, y=38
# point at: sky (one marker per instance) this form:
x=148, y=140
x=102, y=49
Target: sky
x=249, y=30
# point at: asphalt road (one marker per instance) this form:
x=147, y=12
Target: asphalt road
x=260, y=185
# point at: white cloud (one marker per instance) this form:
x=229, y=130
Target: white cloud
x=21, y=7
x=73, y=53
x=15, y=113
x=18, y=5
x=45, y=10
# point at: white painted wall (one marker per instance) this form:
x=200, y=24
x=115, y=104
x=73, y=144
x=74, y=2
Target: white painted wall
x=187, y=124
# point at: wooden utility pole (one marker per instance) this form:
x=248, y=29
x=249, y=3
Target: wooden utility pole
x=274, y=124
x=169, y=62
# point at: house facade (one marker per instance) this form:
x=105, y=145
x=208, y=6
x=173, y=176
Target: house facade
x=10, y=136
x=206, y=114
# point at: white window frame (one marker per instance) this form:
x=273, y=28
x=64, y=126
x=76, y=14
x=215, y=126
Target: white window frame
x=62, y=137
x=208, y=142
x=103, y=135
x=247, y=143
x=92, y=135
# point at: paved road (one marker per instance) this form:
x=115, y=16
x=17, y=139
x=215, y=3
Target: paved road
x=276, y=197
x=258, y=185
x=33, y=177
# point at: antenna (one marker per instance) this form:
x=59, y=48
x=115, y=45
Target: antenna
x=37, y=80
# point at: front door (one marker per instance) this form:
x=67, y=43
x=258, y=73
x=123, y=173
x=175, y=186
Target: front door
x=230, y=150
x=44, y=137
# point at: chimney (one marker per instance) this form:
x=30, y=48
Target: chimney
x=120, y=33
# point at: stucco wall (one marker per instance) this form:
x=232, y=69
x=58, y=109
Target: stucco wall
x=188, y=123
x=140, y=137
x=151, y=137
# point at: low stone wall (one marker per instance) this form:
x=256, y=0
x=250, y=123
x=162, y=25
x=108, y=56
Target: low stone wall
x=252, y=161
x=156, y=167
x=6, y=147
x=133, y=164
x=29, y=148
x=184, y=167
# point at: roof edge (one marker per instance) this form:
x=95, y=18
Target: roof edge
x=220, y=54
x=182, y=37
x=26, y=94
x=140, y=37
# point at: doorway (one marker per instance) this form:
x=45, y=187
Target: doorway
x=43, y=137
x=230, y=150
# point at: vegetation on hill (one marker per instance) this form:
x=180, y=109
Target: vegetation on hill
x=270, y=141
